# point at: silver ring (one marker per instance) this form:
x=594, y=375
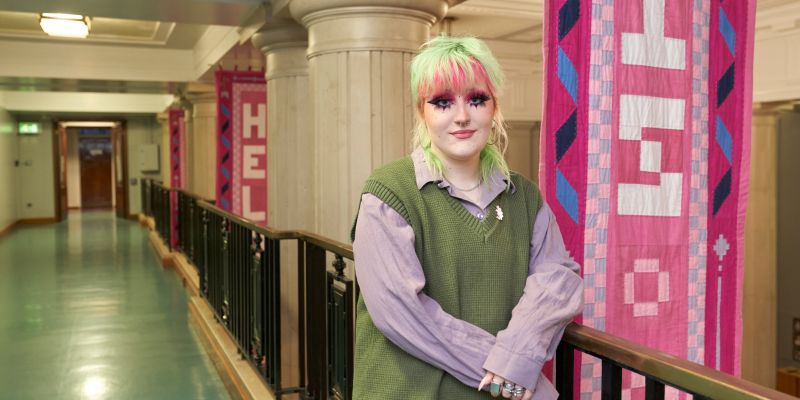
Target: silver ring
x=508, y=387
x=518, y=391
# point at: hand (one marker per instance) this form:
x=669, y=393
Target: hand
x=490, y=378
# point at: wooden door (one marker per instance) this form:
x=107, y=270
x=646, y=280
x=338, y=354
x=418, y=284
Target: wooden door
x=121, y=170
x=60, y=167
x=95, y=160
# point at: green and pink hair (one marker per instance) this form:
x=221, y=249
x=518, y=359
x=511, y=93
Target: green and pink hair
x=454, y=63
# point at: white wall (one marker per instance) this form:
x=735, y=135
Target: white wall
x=36, y=199
x=8, y=154
x=141, y=130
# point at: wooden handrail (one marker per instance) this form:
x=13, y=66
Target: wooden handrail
x=334, y=246
x=670, y=370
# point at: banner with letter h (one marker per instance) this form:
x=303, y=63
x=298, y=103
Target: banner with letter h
x=242, y=144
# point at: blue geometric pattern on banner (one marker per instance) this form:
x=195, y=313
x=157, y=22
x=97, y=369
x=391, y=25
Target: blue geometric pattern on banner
x=225, y=111
x=722, y=191
x=567, y=17
x=225, y=172
x=225, y=204
x=566, y=135
x=727, y=31
x=567, y=196
x=724, y=139
x=567, y=74
x=226, y=142
x=725, y=86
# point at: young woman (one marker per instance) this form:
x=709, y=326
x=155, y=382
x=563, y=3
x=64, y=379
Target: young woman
x=465, y=281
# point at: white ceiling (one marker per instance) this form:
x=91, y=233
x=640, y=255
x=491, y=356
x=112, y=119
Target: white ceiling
x=155, y=46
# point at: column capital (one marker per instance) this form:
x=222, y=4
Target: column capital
x=300, y=9
x=278, y=33
x=201, y=97
x=773, y=108
x=352, y=25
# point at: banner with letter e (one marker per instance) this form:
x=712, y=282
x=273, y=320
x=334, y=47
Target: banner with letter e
x=242, y=144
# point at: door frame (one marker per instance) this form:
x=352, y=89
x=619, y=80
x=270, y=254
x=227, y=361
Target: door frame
x=59, y=170
x=119, y=132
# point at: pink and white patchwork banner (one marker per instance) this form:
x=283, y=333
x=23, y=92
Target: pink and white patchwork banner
x=177, y=163
x=250, y=151
x=645, y=159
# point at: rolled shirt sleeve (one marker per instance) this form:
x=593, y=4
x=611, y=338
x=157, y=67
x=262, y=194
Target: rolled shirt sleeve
x=391, y=280
x=552, y=297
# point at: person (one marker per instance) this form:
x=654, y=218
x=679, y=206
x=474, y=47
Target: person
x=465, y=281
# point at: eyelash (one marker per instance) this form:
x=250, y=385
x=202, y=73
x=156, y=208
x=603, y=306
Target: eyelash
x=475, y=100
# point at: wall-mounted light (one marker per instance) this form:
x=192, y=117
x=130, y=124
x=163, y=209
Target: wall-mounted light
x=67, y=25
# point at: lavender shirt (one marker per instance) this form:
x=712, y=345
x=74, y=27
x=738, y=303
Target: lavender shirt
x=391, y=280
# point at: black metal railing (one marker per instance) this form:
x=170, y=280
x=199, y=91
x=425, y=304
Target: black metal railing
x=147, y=208
x=241, y=281
x=190, y=238
x=162, y=211
x=659, y=369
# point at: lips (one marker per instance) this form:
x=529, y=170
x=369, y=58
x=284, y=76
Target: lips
x=463, y=134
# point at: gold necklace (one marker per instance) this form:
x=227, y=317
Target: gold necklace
x=480, y=181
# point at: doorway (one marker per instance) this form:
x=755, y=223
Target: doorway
x=95, y=171
x=95, y=166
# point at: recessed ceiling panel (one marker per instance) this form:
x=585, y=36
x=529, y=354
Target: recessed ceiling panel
x=19, y=25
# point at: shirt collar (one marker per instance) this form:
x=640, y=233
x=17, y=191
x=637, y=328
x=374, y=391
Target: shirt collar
x=424, y=175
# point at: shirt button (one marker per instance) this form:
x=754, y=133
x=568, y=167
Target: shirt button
x=480, y=216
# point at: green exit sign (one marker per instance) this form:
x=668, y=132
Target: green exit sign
x=29, y=128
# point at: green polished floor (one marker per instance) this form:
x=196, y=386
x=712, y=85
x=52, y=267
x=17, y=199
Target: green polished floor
x=86, y=312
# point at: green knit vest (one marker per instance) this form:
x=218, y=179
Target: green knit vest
x=475, y=269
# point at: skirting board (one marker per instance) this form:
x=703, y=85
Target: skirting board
x=37, y=221
x=241, y=379
x=162, y=252
x=8, y=229
x=188, y=274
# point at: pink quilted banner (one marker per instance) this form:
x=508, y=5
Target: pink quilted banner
x=177, y=162
x=250, y=151
x=227, y=117
x=645, y=159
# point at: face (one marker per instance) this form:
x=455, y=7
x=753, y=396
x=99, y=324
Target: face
x=459, y=122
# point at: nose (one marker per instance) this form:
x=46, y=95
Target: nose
x=462, y=113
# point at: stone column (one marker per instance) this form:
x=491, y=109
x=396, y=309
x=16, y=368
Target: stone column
x=358, y=54
x=290, y=160
x=202, y=144
x=290, y=144
x=759, y=300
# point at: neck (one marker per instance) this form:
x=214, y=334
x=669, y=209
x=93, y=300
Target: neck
x=462, y=173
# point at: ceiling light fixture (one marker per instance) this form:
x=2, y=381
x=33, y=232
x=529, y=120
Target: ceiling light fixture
x=67, y=25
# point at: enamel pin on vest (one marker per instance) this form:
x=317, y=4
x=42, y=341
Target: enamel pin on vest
x=499, y=212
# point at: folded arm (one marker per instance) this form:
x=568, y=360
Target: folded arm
x=552, y=297
x=391, y=280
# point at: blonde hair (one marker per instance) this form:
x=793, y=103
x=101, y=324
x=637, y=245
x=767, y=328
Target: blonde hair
x=449, y=62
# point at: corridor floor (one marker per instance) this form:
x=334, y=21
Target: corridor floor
x=87, y=312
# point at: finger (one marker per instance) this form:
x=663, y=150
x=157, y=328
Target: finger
x=528, y=395
x=518, y=392
x=508, y=387
x=495, y=386
x=485, y=381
